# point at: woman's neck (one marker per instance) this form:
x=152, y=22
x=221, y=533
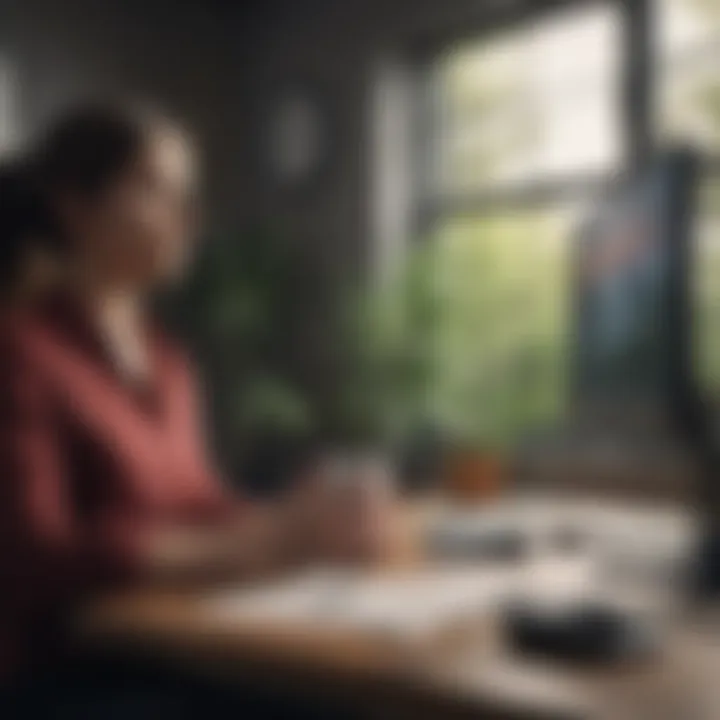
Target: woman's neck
x=107, y=303
x=117, y=308
x=119, y=318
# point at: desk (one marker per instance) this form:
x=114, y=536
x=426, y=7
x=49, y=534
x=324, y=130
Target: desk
x=470, y=675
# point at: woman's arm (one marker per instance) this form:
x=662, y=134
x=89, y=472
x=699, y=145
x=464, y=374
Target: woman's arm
x=258, y=543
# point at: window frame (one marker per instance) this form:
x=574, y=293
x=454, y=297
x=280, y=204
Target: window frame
x=636, y=100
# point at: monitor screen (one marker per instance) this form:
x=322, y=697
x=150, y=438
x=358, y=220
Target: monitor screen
x=631, y=333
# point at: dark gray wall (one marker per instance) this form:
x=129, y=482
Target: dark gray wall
x=171, y=52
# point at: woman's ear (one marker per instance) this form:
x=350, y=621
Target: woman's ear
x=71, y=211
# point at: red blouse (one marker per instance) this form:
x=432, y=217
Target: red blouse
x=87, y=464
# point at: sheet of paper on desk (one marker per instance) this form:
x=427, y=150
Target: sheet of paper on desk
x=403, y=604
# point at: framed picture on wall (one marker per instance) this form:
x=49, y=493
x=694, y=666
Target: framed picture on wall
x=297, y=133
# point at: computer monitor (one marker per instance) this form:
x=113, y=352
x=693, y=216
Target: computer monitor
x=633, y=329
x=636, y=335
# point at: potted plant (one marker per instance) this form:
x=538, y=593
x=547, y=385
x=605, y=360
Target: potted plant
x=384, y=402
x=236, y=311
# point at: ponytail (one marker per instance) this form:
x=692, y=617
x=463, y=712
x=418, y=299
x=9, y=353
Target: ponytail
x=25, y=222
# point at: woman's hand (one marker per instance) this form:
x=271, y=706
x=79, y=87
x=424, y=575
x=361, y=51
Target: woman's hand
x=344, y=512
x=335, y=514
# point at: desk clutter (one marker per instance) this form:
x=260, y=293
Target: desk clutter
x=569, y=583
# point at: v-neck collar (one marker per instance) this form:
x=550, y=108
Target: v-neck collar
x=67, y=314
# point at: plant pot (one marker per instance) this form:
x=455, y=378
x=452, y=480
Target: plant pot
x=472, y=475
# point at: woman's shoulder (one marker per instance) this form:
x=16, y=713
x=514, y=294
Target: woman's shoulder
x=22, y=350
x=18, y=325
x=34, y=333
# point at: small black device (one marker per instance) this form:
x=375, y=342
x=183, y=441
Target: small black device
x=584, y=632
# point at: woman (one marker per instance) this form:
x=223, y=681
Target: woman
x=103, y=470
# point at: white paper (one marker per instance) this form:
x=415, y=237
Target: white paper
x=421, y=602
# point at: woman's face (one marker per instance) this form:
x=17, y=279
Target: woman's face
x=138, y=232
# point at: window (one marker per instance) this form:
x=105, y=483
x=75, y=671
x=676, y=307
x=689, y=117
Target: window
x=523, y=139
x=689, y=72
x=516, y=110
x=502, y=343
x=707, y=288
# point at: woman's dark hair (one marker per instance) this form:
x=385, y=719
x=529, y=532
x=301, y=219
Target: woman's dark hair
x=25, y=221
x=81, y=153
x=87, y=147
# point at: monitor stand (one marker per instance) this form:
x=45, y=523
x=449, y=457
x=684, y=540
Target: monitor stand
x=695, y=423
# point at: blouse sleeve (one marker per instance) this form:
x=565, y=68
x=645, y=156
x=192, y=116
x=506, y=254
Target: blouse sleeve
x=209, y=497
